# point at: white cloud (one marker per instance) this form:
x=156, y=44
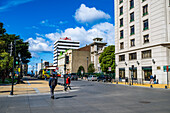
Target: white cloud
x=35, y=55
x=53, y=36
x=47, y=23
x=39, y=45
x=102, y=30
x=11, y=3
x=85, y=14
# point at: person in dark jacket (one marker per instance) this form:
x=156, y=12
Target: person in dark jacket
x=52, y=84
x=68, y=81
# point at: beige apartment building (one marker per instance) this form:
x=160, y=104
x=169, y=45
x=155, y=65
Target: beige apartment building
x=97, y=48
x=77, y=58
x=142, y=39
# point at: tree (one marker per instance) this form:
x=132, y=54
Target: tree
x=107, y=59
x=6, y=61
x=91, y=68
x=81, y=68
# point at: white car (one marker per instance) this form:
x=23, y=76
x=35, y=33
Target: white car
x=92, y=78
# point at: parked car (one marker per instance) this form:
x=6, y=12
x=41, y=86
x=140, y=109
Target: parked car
x=73, y=76
x=92, y=78
x=101, y=78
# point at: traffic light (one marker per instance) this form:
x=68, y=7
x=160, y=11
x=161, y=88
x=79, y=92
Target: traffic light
x=16, y=62
x=67, y=59
x=132, y=67
x=10, y=47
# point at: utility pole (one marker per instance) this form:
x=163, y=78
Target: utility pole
x=36, y=70
x=57, y=56
x=41, y=66
x=87, y=63
x=11, y=93
x=33, y=70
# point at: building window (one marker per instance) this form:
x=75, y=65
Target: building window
x=121, y=57
x=145, y=10
x=143, y=0
x=121, y=22
x=132, y=17
x=131, y=4
x=121, y=73
x=120, y=1
x=146, y=54
x=121, y=45
x=132, y=30
x=132, y=56
x=132, y=42
x=121, y=10
x=121, y=34
x=146, y=38
x=145, y=25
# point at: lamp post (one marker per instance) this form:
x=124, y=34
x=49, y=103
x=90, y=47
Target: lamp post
x=36, y=70
x=41, y=66
x=11, y=93
x=87, y=63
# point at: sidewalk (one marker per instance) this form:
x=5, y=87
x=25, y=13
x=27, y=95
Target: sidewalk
x=144, y=85
x=32, y=86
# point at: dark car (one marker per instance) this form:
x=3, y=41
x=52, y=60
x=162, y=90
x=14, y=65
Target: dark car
x=105, y=78
x=101, y=78
x=74, y=76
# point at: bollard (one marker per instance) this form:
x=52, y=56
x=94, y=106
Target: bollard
x=151, y=86
x=129, y=84
x=116, y=82
x=166, y=87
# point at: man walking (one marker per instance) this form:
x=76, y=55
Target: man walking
x=52, y=84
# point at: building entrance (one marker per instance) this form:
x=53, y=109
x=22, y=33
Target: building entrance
x=147, y=72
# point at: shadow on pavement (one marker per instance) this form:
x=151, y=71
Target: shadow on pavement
x=4, y=91
x=66, y=97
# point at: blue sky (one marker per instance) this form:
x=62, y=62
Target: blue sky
x=41, y=22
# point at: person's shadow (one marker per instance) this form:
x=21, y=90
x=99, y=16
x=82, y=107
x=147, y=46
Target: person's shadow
x=66, y=97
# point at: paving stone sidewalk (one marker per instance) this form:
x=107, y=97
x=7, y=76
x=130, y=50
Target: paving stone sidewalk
x=30, y=86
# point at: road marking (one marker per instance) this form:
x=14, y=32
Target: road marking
x=36, y=90
x=55, y=93
x=28, y=83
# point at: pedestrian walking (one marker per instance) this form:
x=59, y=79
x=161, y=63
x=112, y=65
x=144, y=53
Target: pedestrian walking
x=68, y=81
x=52, y=84
x=154, y=79
x=151, y=79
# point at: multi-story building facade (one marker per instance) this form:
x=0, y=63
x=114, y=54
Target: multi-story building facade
x=62, y=45
x=96, y=49
x=77, y=57
x=142, y=39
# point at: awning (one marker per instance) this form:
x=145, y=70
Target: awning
x=130, y=68
x=147, y=68
x=121, y=69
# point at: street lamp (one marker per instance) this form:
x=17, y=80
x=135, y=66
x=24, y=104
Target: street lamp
x=87, y=64
x=41, y=66
x=11, y=93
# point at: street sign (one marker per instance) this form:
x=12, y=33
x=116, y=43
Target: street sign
x=166, y=68
x=109, y=68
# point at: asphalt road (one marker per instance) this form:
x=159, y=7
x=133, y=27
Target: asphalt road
x=92, y=97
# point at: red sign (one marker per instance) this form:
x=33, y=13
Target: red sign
x=167, y=69
x=56, y=68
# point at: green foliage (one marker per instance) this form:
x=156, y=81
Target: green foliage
x=91, y=68
x=107, y=59
x=81, y=68
x=6, y=61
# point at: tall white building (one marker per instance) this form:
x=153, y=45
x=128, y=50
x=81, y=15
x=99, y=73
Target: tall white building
x=142, y=39
x=62, y=45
